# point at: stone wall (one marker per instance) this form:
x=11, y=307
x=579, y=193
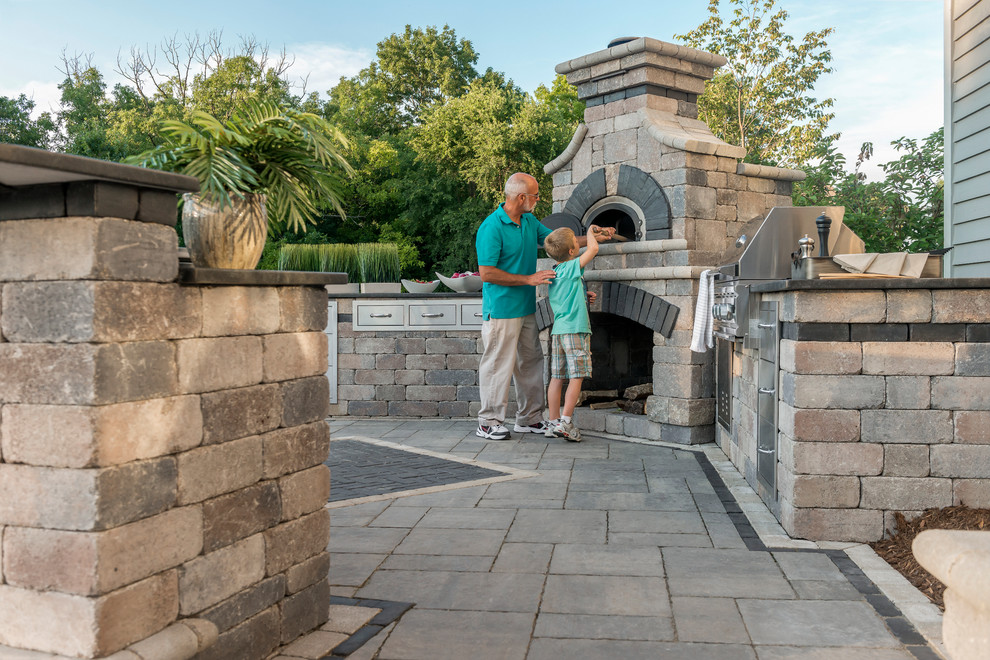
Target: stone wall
x=884, y=406
x=161, y=449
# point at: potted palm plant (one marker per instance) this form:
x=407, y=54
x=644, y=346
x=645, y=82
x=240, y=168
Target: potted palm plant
x=267, y=166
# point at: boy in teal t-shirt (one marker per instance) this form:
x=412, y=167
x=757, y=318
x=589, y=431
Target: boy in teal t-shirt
x=570, y=348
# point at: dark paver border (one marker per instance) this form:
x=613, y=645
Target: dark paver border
x=390, y=612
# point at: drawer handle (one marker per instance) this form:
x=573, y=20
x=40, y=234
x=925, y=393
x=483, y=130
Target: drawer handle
x=766, y=390
x=477, y=315
x=380, y=316
x=432, y=316
x=766, y=451
x=766, y=325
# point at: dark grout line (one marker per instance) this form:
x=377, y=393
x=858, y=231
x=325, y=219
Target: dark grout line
x=390, y=612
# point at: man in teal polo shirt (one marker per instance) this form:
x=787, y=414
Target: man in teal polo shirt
x=507, y=242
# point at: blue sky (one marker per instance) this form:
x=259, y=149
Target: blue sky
x=887, y=53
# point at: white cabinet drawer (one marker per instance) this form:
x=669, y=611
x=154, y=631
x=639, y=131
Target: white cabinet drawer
x=471, y=314
x=378, y=316
x=433, y=315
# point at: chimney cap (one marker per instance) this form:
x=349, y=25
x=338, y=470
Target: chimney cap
x=618, y=41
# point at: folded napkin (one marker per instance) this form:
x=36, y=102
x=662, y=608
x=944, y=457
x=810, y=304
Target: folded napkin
x=701, y=333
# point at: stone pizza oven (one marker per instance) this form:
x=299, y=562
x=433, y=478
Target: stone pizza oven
x=644, y=163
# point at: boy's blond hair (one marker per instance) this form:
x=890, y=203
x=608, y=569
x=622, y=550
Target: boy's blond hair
x=559, y=243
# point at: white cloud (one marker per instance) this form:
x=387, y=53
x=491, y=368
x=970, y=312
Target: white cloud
x=46, y=95
x=325, y=64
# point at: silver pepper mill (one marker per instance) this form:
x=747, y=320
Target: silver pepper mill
x=806, y=246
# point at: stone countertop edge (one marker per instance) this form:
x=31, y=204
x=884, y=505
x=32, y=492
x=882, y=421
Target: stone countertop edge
x=872, y=283
x=191, y=275
x=475, y=295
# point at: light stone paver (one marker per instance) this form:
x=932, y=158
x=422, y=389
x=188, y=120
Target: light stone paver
x=612, y=550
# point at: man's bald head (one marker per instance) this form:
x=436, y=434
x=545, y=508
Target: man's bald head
x=520, y=183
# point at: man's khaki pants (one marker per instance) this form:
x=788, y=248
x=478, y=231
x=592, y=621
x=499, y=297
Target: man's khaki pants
x=511, y=352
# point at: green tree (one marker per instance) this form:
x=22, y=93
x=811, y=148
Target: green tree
x=762, y=99
x=904, y=212
x=17, y=127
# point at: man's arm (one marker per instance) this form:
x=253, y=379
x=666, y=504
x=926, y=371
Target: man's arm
x=494, y=275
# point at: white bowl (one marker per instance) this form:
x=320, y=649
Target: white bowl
x=420, y=287
x=467, y=284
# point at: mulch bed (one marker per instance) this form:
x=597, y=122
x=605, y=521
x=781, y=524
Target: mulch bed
x=896, y=550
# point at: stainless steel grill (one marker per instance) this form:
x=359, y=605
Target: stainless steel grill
x=763, y=252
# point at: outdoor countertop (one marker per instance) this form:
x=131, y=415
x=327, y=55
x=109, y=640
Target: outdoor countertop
x=873, y=283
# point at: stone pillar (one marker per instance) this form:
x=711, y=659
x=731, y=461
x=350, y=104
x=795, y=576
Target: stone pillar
x=162, y=485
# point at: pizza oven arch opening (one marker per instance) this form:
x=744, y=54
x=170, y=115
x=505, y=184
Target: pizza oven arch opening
x=619, y=212
x=621, y=353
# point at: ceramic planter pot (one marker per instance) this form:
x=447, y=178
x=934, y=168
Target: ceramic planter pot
x=228, y=237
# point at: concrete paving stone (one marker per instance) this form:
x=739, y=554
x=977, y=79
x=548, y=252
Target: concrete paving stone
x=357, y=515
x=352, y=569
x=611, y=477
x=461, y=497
x=668, y=485
x=708, y=620
x=522, y=503
x=815, y=623
x=494, y=592
x=425, y=541
x=597, y=466
x=313, y=646
x=808, y=566
x=724, y=535
x=399, y=516
x=400, y=433
x=369, y=650
x=464, y=518
x=588, y=448
x=366, y=539
x=348, y=618
x=606, y=595
x=630, y=501
x=442, y=635
x=526, y=489
x=666, y=522
x=641, y=451
x=590, y=626
x=844, y=653
x=556, y=464
x=584, y=559
x=729, y=573
x=523, y=558
x=548, y=476
x=554, y=649
x=708, y=502
x=605, y=487
x=825, y=590
x=563, y=526
x=660, y=540
x=472, y=563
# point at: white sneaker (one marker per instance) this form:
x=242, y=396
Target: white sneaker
x=568, y=431
x=550, y=425
x=540, y=427
x=496, y=432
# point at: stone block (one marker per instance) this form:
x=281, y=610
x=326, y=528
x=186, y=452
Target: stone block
x=972, y=360
x=811, y=491
x=305, y=400
x=240, y=310
x=99, y=312
x=961, y=461
x=836, y=458
x=374, y=377
x=905, y=461
x=87, y=249
x=639, y=426
x=254, y=639
x=216, y=576
x=160, y=206
x=207, y=365
x=390, y=362
x=295, y=355
x=689, y=412
x=245, y=604
x=974, y=493
x=374, y=345
x=431, y=393
x=683, y=380
x=909, y=392
x=78, y=436
x=304, y=492
x=953, y=392
x=821, y=357
x=454, y=409
x=874, y=332
x=96, y=563
x=906, y=426
x=414, y=408
x=680, y=435
x=390, y=392
x=448, y=345
x=213, y=470
x=238, y=413
x=426, y=362
x=451, y=376
x=972, y=427
x=85, y=499
x=305, y=611
x=410, y=345
x=294, y=449
x=958, y=305
x=367, y=408
x=461, y=361
x=101, y=199
x=820, y=524
x=908, y=358
x=77, y=626
x=813, y=425
x=302, y=309
x=834, y=307
x=845, y=392
x=355, y=361
x=620, y=146
x=238, y=515
x=905, y=493
x=295, y=541
x=307, y=573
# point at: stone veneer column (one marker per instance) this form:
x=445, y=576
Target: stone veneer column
x=161, y=447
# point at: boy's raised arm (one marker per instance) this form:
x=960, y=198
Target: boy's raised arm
x=592, y=248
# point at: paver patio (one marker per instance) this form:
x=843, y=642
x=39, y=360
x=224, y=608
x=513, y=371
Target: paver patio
x=603, y=549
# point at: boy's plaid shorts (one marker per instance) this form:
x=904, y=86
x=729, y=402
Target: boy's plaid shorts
x=570, y=356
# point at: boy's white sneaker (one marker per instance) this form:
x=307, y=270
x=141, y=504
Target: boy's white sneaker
x=568, y=431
